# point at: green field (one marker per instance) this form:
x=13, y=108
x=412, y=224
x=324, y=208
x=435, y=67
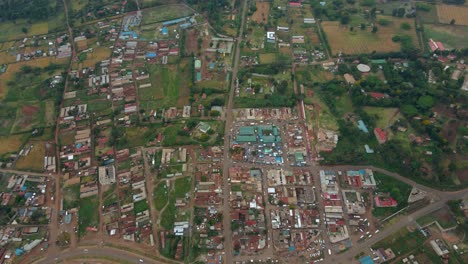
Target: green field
x=71, y=196
x=182, y=187
x=170, y=86
x=385, y=116
x=168, y=216
x=163, y=13
x=87, y=214
x=453, y=37
x=160, y=196
x=140, y=206
x=402, y=241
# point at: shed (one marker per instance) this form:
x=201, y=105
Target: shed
x=197, y=64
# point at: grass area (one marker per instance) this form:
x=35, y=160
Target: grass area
x=402, y=242
x=139, y=136
x=182, y=187
x=385, y=116
x=11, y=31
x=236, y=187
x=98, y=54
x=359, y=41
x=109, y=196
x=71, y=196
x=170, y=86
x=267, y=58
x=163, y=13
x=312, y=74
x=443, y=216
x=140, y=206
x=397, y=189
x=160, y=196
x=326, y=118
x=28, y=116
x=87, y=214
x=168, y=216
x=34, y=161
x=67, y=138
x=16, y=67
x=453, y=37
x=12, y=143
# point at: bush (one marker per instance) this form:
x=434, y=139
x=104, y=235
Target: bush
x=423, y=7
x=405, y=26
x=384, y=22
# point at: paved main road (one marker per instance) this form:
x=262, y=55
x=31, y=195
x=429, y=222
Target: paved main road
x=98, y=252
x=348, y=256
x=227, y=233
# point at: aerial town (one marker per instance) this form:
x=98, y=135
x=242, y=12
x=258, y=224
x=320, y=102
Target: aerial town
x=233, y=131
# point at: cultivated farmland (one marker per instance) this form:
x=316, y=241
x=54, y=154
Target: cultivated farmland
x=359, y=41
x=448, y=12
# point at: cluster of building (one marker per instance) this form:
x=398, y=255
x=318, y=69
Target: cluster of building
x=208, y=190
x=27, y=199
x=247, y=210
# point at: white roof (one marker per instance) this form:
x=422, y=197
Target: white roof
x=363, y=67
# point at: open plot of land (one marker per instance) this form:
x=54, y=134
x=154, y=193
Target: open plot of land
x=160, y=196
x=12, y=143
x=403, y=241
x=451, y=36
x=11, y=31
x=98, y=54
x=28, y=116
x=443, y=216
x=267, y=58
x=16, y=67
x=262, y=13
x=169, y=86
x=359, y=41
x=87, y=214
x=34, y=161
x=182, y=187
x=386, y=116
x=163, y=13
x=448, y=12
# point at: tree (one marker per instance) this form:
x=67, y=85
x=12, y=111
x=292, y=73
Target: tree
x=24, y=30
x=452, y=22
x=363, y=26
x=425, y=102
x=282, y=87
x=344, y=20
x=375, y=29
x=409, y=110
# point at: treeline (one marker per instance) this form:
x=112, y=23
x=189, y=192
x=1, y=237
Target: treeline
x=26, y=9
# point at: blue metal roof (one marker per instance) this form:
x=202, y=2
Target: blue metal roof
x=366, y=260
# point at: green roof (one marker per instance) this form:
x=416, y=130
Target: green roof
x=247, y=130
x=379, y=61
x=242, y=139
x=270, y=139
x=299, y=157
